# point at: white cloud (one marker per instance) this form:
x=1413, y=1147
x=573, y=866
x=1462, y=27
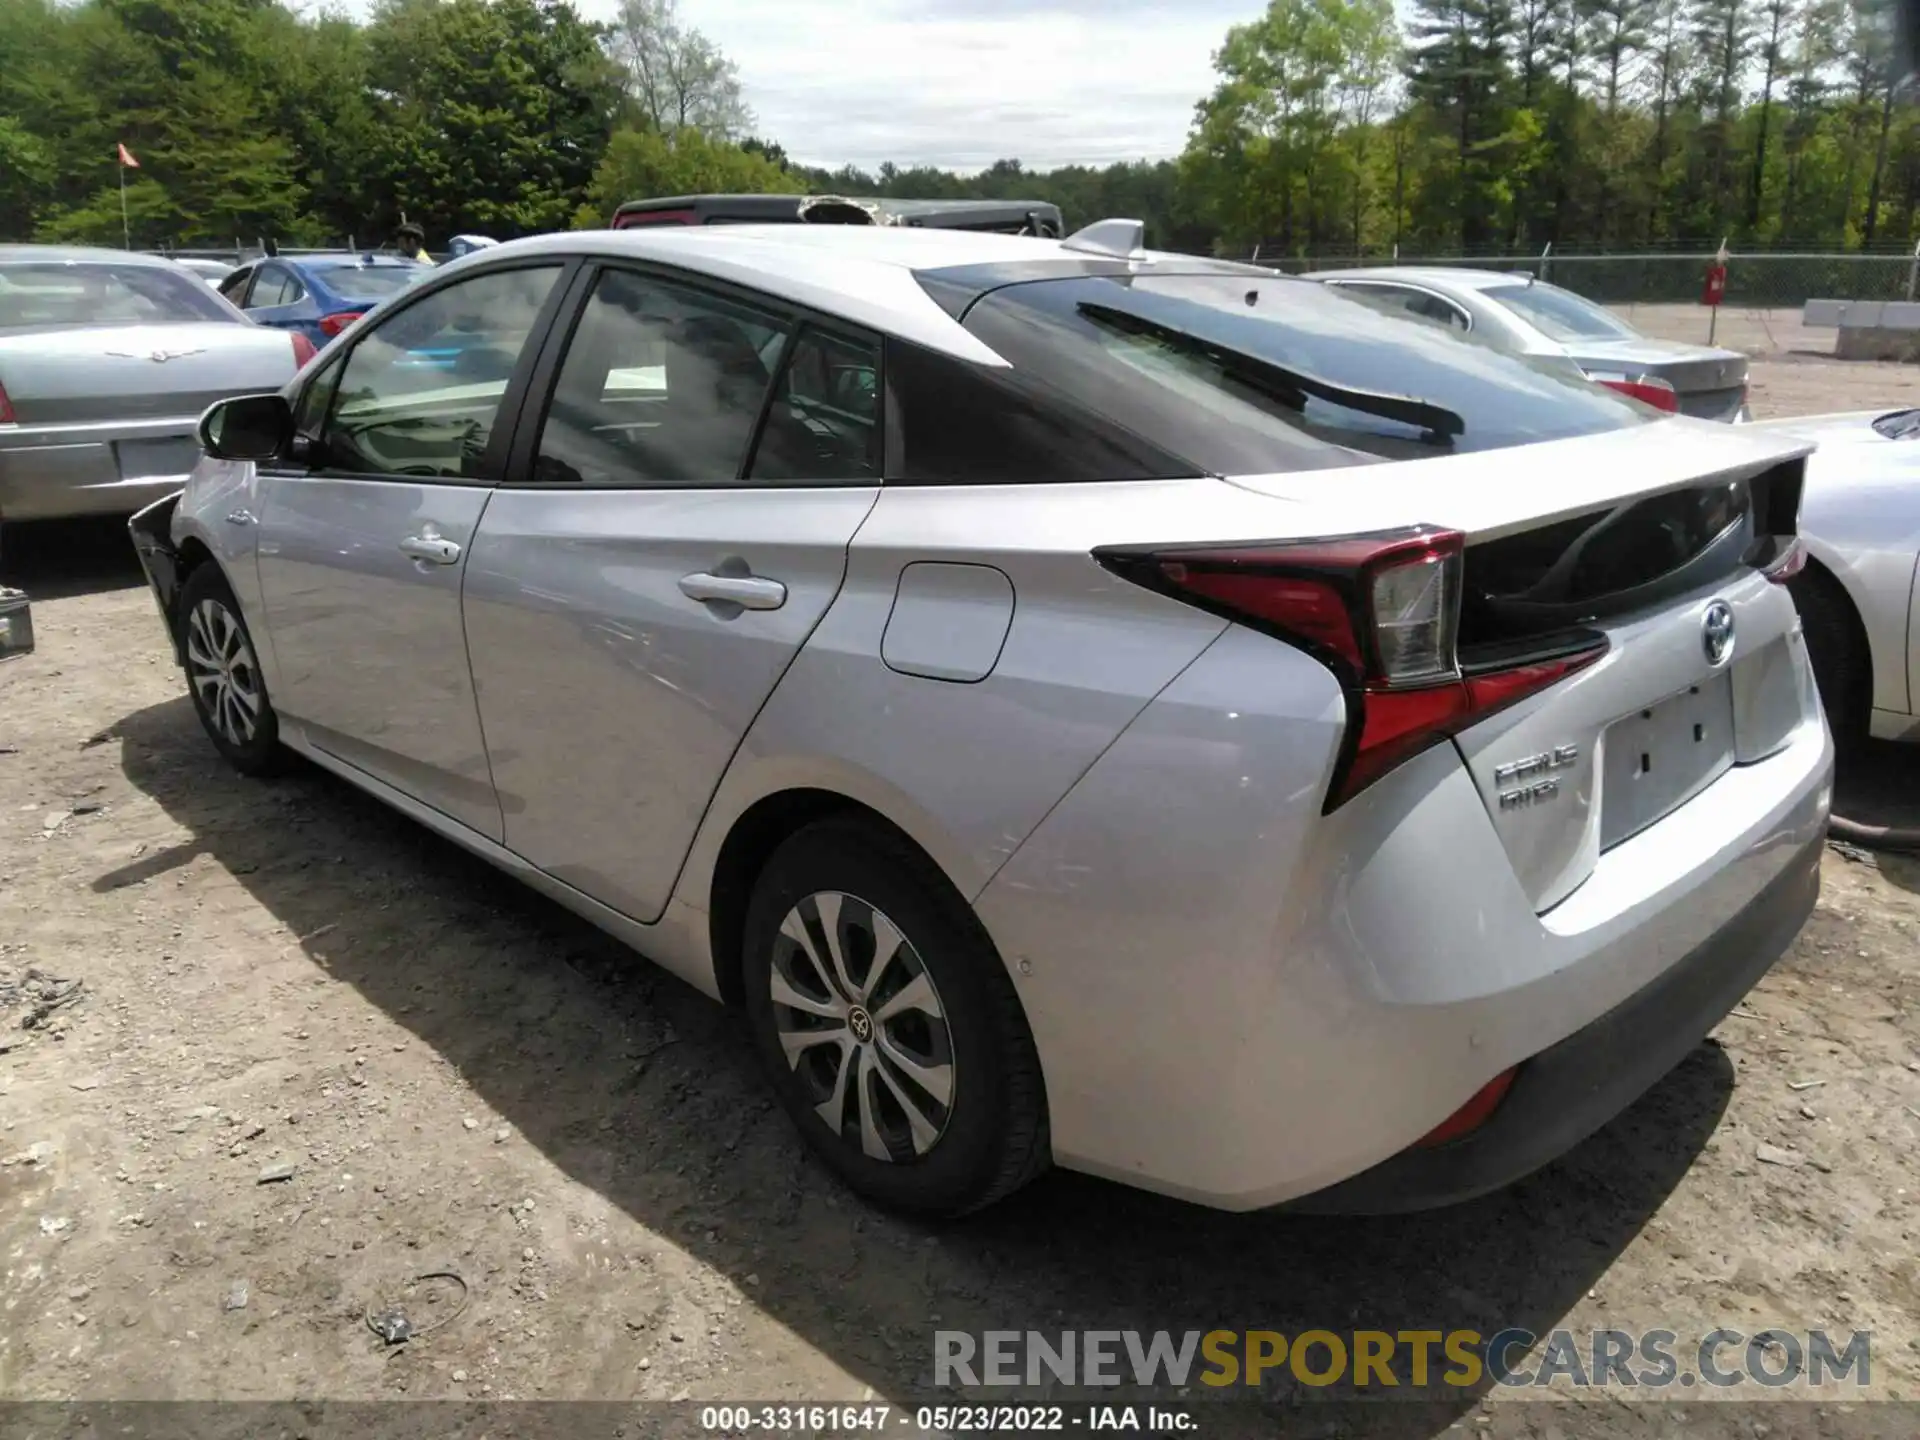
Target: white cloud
x=962, y=83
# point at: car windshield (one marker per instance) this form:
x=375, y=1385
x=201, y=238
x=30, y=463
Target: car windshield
x=1243, y=375
x=1559, y=314
x=60, y=292
x=368, y=282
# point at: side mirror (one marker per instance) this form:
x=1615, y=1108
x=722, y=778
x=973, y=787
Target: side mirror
x=247, y=427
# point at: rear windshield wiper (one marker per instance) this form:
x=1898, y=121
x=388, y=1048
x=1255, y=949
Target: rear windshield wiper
x=1290, y=387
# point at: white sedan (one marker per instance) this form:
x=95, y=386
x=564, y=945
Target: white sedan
x=1860, y=520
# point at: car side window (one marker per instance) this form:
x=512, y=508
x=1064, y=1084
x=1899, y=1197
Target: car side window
x=420, y=392
x=661, y=384
x=1432, y=307
x=269, y=289
x=1411, y=302
x=823, y=424
x=234, y=287
x=966, y=424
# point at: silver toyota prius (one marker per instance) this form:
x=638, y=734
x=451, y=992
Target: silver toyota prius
x=1081, y=704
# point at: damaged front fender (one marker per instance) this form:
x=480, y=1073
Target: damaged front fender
x=152, y=532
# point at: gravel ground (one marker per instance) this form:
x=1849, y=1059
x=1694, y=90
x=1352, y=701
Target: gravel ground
x=284, y=979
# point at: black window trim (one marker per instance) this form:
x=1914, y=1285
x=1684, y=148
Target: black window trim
x=795, y=319
x=246, y=274
x=506, y=420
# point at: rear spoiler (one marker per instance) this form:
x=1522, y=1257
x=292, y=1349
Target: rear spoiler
x=1489, y=494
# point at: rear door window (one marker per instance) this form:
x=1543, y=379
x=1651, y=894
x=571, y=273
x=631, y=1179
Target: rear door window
x=661, y=384
x=823, y=422
x=1559, y=314
x=270, y=290
x=1246, y=374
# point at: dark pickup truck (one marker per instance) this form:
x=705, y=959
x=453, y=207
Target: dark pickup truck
x=1007, y=217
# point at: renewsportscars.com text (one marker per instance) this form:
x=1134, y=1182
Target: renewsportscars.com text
x=1413, y=1359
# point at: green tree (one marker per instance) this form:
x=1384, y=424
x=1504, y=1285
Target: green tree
x=492, y=114
x=1265, y=152
x=639, y=163
x=1459, y=69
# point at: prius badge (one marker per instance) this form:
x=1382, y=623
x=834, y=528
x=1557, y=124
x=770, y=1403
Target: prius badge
x=1530, y=780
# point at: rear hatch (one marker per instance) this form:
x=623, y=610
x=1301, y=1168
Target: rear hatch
x=1634, y=585
x=66, y=376
x=1711, y=384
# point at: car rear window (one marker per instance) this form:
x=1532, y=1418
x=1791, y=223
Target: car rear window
x=1247, y=374
x=54, y=292
x=1559, y=314
x=369, y=282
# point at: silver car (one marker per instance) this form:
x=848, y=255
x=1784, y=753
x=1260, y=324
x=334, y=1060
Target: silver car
x=1859, y=594
x=1082, y=705
x=1523, y=316
x=106, y=360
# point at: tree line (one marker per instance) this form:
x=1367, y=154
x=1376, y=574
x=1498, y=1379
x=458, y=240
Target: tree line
x=1481, y=126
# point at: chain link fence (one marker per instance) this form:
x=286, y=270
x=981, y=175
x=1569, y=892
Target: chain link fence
x=1761, y=280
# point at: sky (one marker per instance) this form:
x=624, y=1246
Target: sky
x=962, y=83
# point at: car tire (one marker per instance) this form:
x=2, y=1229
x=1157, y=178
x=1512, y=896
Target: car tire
x=924, y=1093
x=1837, y=650
x=223, y=676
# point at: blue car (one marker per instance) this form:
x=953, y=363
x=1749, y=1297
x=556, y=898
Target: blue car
x=317, y=296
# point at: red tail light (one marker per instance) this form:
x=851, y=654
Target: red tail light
x=7, y=416
x=1648, y=389
x=1382, y=612
x=332, y=325
x=1472, y=1115
x=303, y=350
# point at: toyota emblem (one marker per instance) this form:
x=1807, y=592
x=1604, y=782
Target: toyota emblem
x=1716, y=632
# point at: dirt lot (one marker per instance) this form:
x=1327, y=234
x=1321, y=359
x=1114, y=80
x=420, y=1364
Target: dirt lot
x=463, y=1078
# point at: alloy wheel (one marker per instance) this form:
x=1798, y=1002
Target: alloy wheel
x=861, y=1023
x=222, y=671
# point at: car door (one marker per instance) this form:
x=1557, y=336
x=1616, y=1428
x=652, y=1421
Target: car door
x=364, y=534
x=674, y=526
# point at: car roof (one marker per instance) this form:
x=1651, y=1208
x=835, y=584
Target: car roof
x=348, y=260
x=82, y=255
x=880, y=276
x=1445, y=276
x=779, y=204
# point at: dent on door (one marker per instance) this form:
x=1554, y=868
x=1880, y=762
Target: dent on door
x=361, y=585
x=623, y=642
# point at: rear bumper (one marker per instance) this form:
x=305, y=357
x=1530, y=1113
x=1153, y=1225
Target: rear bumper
x=1570, y=1090
x=69, y=471
x=1242, y=1003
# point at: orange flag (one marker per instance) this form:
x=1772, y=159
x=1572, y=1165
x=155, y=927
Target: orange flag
x=126, y=158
